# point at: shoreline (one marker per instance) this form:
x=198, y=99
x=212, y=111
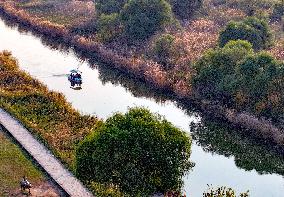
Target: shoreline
x=141, y=70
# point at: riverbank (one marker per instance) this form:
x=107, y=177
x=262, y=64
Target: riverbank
x=149, y=72
x=45, y=113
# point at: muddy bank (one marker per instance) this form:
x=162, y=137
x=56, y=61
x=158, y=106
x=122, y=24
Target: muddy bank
x=147, y=71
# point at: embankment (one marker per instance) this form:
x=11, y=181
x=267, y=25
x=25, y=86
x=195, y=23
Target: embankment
x=45, y=113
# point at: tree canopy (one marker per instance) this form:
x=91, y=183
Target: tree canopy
x=109, y=6
x=184, y=9
x=252, y=29
x=215, y=65
x=141, y=18
x=242, y=79
x=139, y=152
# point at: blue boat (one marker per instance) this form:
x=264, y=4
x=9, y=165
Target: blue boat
x=75, y=78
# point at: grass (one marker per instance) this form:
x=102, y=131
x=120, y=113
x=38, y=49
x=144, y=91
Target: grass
x=46, y=114
x=13, y=166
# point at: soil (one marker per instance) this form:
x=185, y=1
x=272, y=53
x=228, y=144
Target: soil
x=43, y=189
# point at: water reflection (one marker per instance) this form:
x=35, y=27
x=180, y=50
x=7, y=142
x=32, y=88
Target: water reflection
x=249, y=152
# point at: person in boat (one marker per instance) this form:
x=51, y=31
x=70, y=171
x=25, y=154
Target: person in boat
x=78, y=76
x=77, y=79
x=72, y=79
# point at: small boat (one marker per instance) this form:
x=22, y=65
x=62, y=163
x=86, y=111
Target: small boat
x=75, y=78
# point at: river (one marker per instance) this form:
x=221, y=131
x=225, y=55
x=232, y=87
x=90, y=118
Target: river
x=222, y=156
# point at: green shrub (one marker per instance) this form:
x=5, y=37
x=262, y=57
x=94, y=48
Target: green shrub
x=108, y=26
x=259, y=79
x=212, y=68
x=165, y=51
x=142, y=18
x=254, y=30
x=109, y=6
x=138, y=152
x=278, y=11
x=184, y=9
x=236, y=76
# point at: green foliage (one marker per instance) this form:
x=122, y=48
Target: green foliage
x=108, y=27
x=223, y=192
x=166, y=51
x=103, y=190
x=260, y=77
x=240, y=78
x=254, y=30
x=109, y=6
x=184, y=9
x=212, y=68
x=142, y=18
x=139, y=152
x=278, y=11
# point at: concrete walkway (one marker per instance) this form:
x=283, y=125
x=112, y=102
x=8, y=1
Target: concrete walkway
x=44, y=157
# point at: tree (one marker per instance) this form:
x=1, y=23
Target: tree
x=166, y=51
x=142, y=18
x=139, y=152
x=215, y=70
x=184, y=9
x=278, y=11
x=108, y=26
x=254, y=30
x=109, y=6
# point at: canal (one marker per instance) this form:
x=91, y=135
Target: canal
x=222, y=156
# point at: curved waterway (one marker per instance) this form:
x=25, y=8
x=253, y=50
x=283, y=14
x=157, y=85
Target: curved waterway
x=222, y=157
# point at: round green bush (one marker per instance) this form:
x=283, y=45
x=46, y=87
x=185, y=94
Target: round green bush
x=165, y=51
x=142, y=18
x=213, y=68
x=254, y=30
x=138, y=152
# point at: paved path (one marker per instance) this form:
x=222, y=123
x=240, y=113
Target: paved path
x=44, y=157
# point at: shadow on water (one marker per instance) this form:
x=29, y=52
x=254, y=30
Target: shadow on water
x=249, y=152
